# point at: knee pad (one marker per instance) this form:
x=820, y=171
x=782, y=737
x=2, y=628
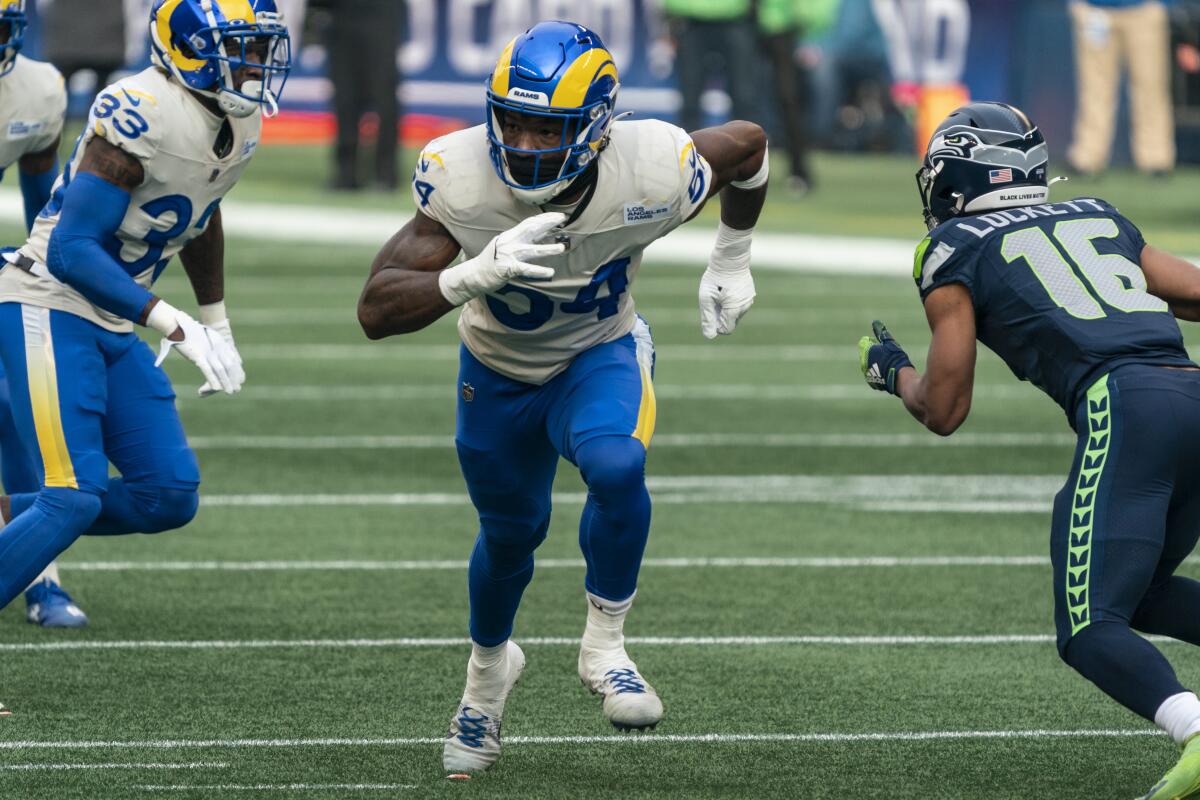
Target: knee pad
x=510, y=541
x=75, y=509
x=612, y=465
x=165, y=508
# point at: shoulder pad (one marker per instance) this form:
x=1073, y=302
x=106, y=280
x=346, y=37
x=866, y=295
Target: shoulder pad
x=128, y=115
x=450, y=174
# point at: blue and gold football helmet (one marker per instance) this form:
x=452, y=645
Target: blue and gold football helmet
x=12, y=16
x=560, y=71
x=203, y=43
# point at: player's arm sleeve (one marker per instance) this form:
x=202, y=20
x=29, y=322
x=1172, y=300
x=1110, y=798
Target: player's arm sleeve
x=83, y=247
x=939, y=261
x=92, y=211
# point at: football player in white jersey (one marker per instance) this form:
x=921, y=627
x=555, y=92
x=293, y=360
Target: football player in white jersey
x=554, y=360
x=33, y=101
x=144, y=183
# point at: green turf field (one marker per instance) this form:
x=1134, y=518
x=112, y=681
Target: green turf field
x=835, y=603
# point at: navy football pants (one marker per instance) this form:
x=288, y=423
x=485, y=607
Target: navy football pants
x=1125, y=520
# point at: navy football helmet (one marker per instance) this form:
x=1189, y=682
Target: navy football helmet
x=983, y=156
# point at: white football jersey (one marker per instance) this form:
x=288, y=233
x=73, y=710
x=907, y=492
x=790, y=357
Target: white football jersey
x=650, y=180
x=33, y=100
x=155, y=119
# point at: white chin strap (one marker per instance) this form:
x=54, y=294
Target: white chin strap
x=237, y=106
x=538, y=197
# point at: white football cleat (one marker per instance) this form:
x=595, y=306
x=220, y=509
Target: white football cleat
x=473, y=743
x=4, y=712
x=630, y=702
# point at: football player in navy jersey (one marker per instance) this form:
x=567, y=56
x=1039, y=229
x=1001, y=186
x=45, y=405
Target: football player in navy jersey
x=1073, y=300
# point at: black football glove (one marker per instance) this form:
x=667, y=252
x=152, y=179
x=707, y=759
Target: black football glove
x=881, y=358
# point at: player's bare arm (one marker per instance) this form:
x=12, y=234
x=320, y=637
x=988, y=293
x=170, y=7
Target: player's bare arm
x=203, y=260
x=402, y=293
x=735, y=151
x=1173, y=279
x=941, y=398
x=112, y=164
x=41, y=162
x=402, y=303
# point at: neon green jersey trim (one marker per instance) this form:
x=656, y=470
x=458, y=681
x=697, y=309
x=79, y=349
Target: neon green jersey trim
x=1079, y=544
x=919, y=258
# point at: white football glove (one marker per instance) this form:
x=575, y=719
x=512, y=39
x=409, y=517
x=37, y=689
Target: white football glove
x=726, y=288
x=504, y=259
x=203, y=346
x=213, y=316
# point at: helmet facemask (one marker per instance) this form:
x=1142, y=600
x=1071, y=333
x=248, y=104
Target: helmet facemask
x=536, y=176
x=12, y=35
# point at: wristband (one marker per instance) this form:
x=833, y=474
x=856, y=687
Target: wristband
x=759, y=178
x=731, y=251
x=213, y=313
x=163, y=318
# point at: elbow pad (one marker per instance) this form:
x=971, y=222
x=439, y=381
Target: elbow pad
x=92, y=211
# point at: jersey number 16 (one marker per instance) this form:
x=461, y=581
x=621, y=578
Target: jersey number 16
x=1112, y=278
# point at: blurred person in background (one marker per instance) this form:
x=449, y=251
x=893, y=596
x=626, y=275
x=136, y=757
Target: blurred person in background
x=84, y=35
x=780, y=26
x=852, y=105
x=1186, y=14
x=362, y=45
x=713, y=37
x=1108, y=33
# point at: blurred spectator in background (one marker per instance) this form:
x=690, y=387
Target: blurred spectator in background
x=852, y=108
x=362, y=40
x=713, y=38
x=1106, y=33
x=84, y=35
x=1187, y=29
x=780, y=25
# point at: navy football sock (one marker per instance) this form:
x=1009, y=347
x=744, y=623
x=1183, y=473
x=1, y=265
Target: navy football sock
x=1172, y=609
x=616, y=519
x=36, y=537
x=1124, y=666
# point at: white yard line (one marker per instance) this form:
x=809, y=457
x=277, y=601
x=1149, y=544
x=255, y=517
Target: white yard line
x=278, y=787
x=433, y=565
x=389, y=351
x=901, y=492
x=410, y=643
x=670, y=440
x=446, y=392
x=64, y=767
x=648, y=739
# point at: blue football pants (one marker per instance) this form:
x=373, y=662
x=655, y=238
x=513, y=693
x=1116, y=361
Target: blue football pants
x=82, y=396
x=599, y=415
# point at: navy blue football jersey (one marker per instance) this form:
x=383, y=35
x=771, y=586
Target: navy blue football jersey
x=1058, y=292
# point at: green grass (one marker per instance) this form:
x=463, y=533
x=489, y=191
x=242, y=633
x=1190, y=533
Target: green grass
x=298, y=296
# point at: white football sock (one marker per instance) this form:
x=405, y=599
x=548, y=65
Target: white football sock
x=606, y=622
x=50, y=573
x=487, y=672
x=1179, y=715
